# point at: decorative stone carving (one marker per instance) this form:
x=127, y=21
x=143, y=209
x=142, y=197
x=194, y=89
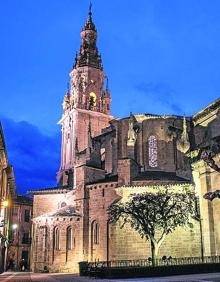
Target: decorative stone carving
x=212, y=195
x=133, y=129
x=207, y=153
x=132, y=136
x=66, y=103
x=82, y=82
x=182, y=143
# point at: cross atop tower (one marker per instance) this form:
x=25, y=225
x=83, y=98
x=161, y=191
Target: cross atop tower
x=90, y=8
x=89, y=25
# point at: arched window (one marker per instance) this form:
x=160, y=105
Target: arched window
x=95, y=232
x=69, y=238
x=56, y=238
x=152, y=151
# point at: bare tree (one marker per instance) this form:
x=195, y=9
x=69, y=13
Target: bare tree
x=155, y=215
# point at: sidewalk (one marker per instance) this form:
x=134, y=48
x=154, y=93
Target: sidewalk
x=65, y=277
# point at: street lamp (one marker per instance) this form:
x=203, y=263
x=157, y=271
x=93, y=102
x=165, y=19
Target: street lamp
x=5, y=203
x=14, y=226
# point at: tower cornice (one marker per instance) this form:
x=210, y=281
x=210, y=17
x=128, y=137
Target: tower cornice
x=92, y=113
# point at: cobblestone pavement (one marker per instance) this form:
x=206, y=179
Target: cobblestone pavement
x=27, y=277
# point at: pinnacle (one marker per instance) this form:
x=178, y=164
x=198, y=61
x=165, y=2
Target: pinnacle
x=89, y=25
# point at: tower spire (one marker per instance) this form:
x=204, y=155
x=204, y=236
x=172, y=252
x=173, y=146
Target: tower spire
x=89, y=25
x=89, y=54
x=90, y=9
x=87, y=102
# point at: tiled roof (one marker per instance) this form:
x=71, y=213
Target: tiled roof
x=50, y=190
x=65, y=211
x=112, y=178
x=160, y=175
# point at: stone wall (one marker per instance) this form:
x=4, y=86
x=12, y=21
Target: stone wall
x=121, y=244
x=207, y=179
x=44, y=253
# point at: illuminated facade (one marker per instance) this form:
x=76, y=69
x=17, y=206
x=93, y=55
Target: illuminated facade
x=104, y=159
x=15, y=216
x=20, y=231
x=7, y=190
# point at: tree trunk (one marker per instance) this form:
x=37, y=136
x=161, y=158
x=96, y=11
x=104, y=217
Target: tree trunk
x=154, y=252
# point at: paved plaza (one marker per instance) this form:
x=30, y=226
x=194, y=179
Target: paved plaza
x=28, y=276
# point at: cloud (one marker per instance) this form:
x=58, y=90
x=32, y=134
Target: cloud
x=162, y=93
x=34, y=155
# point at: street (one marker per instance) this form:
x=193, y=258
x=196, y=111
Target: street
x=28, y=276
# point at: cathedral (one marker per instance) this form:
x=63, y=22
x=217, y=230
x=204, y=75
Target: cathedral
x=104, y=159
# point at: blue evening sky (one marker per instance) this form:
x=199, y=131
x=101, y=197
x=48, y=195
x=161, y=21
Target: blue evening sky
x=160, y=57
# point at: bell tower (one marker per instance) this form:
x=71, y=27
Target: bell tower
x=86, y=103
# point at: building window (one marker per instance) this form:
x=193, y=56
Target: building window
x=11, y=236
x=57, y=239
x=152, y=151
x=95, y=232
x=24, y=255
x=15, y=211
x=27, y=215
x=25, y=238
x=69, y=238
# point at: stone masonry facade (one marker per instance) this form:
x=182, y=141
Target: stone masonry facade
x=104, y=159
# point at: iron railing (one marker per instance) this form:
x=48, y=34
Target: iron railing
x=148, y=262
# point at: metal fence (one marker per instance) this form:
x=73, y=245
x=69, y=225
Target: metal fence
x=148, y=262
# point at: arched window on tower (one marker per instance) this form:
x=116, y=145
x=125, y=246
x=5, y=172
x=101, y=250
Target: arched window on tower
x=95, y=232
x=69, y=238
x=152, y=151
x=56, y=239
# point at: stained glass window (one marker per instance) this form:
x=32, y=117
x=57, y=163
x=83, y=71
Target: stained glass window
x=152, y=151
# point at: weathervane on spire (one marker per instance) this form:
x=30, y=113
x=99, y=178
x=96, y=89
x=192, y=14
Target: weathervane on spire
x=90, y=9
